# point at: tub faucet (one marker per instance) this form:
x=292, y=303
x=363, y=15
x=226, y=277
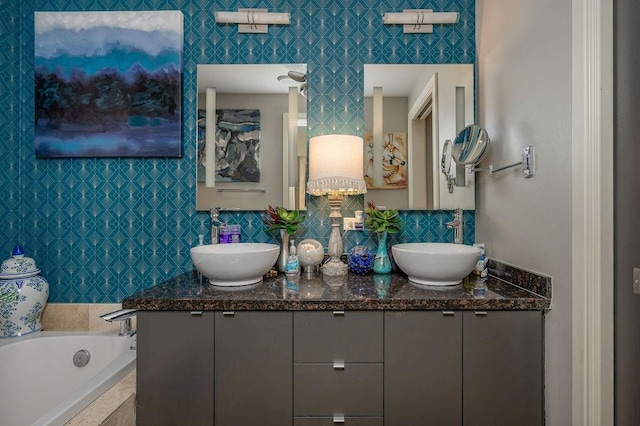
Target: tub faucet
x=216, y=223
x=457, y=224
x=124, y=317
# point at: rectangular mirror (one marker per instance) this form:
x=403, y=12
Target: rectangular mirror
x=410, y=110
x=255, y=153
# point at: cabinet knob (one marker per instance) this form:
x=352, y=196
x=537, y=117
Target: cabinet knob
x=338, y=419
x=338, y=313
x=196, y=313
x=228, y=313
x=480, y=313
x=448, y=313
x=338, y=365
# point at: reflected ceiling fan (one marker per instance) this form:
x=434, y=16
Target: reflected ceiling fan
x=295, y=77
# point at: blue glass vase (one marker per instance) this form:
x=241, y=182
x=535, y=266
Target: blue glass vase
x=381, y=263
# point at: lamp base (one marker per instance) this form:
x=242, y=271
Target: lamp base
x=335, y=267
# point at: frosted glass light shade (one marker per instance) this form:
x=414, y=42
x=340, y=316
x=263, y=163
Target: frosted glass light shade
x=336, y=165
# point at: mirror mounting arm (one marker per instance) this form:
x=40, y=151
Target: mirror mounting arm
x=527, y=163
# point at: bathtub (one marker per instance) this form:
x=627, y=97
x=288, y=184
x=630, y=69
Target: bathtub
x=39, y=383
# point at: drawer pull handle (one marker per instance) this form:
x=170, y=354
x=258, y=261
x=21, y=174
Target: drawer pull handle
x=338, y=365
x=448, y=313
x=338, y=419
x=228, y=313
x=338, y=313
x=196, y=313
x=480, y=313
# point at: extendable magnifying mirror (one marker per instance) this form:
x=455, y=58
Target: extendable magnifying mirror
x=445, y=165
x=471, y=145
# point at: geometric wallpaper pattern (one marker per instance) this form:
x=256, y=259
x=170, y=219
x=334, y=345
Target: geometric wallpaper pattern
x=101, y=229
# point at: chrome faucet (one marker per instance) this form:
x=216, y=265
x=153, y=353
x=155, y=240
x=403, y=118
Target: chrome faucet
x=457, y=224
x=216, y=223
x=124, y=317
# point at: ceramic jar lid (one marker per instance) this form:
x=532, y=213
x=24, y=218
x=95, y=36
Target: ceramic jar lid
x=18, y=266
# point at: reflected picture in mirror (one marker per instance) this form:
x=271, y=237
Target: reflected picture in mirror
x=237, y=145
x=391, y=160
x=244, y=168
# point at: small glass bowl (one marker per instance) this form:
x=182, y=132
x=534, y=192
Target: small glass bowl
x=310, y=254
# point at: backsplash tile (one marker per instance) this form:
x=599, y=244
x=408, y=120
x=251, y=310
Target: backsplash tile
x=101, y=229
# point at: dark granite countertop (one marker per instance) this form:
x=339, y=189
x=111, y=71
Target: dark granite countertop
x=357, y=292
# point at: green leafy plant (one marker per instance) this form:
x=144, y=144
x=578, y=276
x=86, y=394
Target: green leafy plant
x=382, y=220
x=281, y=218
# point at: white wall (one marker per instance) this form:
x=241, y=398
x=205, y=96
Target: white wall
x=524, y=98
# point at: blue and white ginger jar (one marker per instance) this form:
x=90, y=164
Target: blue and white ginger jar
x=23, y=295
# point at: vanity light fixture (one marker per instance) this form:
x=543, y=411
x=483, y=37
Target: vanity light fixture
x=335, y=169
x=253, y=20
x=419, y=20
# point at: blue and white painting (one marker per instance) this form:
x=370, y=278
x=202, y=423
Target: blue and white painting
x=237, y=150
x=237, y=145
x=108, y=84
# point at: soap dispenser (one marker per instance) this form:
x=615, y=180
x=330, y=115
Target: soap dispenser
x=293, y=266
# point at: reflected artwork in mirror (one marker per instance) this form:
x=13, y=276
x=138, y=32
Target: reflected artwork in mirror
x=430, y=103
x=255, y=154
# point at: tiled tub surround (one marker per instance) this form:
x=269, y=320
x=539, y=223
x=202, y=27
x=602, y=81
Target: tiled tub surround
x=360, y=292
x=80, y=317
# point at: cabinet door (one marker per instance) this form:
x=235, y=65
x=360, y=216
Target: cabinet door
x=253, y=365
x=422, y=368
x=503, y=368
x=175, y=368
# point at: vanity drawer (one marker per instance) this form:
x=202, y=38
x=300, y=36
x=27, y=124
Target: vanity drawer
x=324, y=390
x=327, y=336
x=330, y=421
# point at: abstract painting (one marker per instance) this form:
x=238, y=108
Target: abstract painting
x=108, y=84
x=237, y=142
x=389, y=171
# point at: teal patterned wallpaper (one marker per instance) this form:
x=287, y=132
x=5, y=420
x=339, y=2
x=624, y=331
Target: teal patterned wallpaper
x=101, y=229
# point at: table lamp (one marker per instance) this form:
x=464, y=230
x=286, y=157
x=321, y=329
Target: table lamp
x=336, y=170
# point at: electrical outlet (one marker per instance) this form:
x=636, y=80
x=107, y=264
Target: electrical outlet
x=349, y=223
x=636, y=280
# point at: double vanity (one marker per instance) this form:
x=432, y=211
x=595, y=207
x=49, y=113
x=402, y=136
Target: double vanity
x=370, y=350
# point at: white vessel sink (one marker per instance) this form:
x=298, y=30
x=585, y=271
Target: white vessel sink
x=435, y=264
x=236, y=264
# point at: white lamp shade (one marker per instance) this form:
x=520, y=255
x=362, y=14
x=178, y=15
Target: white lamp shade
x=336, y=165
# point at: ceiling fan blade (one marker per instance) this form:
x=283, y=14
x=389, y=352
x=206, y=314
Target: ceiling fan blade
x=298, y=76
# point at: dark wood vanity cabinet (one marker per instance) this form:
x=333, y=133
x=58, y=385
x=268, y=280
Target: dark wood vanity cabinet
x=471, y=368
x=190, y=362
x=360, y=368
x=253, y=359
x=174, y=376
